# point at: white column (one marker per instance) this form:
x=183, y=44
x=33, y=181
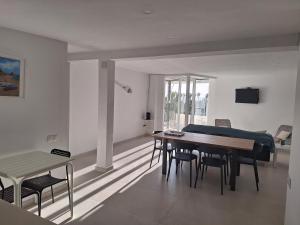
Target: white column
x=156, y=100
x=187, y=101
x=292, y=215
x=105, y=115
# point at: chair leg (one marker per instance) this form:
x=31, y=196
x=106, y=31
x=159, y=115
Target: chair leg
x=69, y=194
x=52, y=194
x=202, y=172
x=197, y=172
x=238, y=169
x=39, y=196
x=191, y=175
x=206, y=167
x=159, y=155
x=177, y=164
x=170, y=163
x=256, y=176
x=152, y=157
x=227, y=165
x=221, y=180
x=225, y=177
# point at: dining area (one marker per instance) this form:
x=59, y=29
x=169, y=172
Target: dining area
x=212, y=149
x=31, y=176
x=151, y=197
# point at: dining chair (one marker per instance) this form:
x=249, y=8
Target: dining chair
x=222, y=123
x=249, y=158
x=158, y=146
x=213, y=157
x=183, y=153
x=282, y=144
x=226, y=156
x=42, y=182
x=7, y=194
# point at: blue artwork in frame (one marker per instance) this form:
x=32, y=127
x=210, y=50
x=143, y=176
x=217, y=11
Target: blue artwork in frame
x=11, y=76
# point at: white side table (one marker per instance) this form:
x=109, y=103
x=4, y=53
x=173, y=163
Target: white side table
x=20, y=166
x=279, y=147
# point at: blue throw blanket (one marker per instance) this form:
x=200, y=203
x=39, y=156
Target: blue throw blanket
x=261, y=138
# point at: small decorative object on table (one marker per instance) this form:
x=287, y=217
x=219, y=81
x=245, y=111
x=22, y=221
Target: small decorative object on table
x=174, y=133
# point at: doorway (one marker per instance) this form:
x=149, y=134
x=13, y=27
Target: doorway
x=185, y=102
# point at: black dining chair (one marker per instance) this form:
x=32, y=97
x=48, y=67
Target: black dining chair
x=7, y=194
x=158, y=146
x=183, y=153
x=42, y=182
x=249, y=158
x=213, y=157
x=226, y=155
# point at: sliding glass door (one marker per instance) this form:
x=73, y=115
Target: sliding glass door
x=199, y=100
x=185, y=102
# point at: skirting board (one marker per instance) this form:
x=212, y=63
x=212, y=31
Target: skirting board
x=104, y=169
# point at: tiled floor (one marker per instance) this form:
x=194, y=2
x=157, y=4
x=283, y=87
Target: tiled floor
x=134, y=194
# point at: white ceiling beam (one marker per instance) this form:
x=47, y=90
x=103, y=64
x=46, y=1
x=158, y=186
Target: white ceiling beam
x=184, y=74
x=273, y=43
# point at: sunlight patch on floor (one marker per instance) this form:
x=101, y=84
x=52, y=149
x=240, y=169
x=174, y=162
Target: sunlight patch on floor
x=129, y=167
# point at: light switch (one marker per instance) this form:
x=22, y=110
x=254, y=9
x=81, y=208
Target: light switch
x=51, y=138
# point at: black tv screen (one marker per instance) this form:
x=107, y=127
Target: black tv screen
x=247, y=95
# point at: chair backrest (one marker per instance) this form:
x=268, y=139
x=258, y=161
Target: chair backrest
x=257, y=148
x=1, y=184
x=157, y=132
x=61, y=152
x=287, y=128
x=185, y=146
x=214, y=151
x=2, y=189
x=222, y=123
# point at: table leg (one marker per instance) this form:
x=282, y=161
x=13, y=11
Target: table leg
x=238, y=168
x=17, y=183
x=233, y=170
x=70, y=170
x=164, y=161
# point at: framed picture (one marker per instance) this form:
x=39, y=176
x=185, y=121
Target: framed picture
x=11, y=76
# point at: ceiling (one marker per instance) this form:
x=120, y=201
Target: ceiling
x=263, y=63
x=126, y=24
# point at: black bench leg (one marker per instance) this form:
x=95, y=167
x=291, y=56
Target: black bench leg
x=256, y=176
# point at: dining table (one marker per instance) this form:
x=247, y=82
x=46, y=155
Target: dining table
x=28, y=164
x=230, y=144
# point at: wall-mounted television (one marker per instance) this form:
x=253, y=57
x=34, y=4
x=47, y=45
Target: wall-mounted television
x=247, y=95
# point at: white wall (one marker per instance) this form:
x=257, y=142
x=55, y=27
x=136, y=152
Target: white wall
x=276, y=106
x=83, y=106
x=292, y=215
x=130, y=108
x=26, y=122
